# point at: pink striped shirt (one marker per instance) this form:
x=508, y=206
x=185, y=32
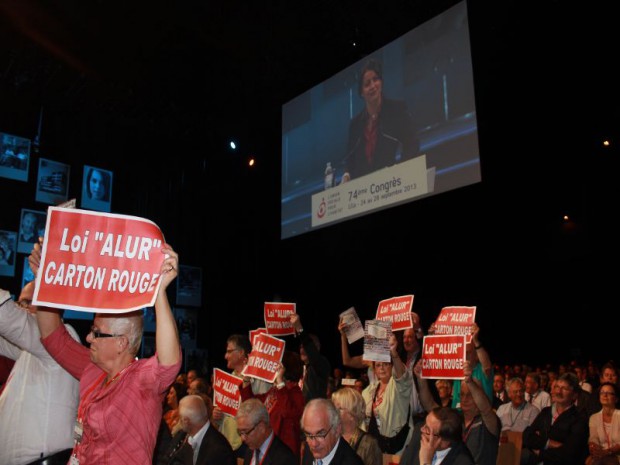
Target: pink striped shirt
x=121, y=420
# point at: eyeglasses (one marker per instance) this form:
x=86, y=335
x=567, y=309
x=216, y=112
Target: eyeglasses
x=608, y=393
x=427, y=430
x=248, y=432
x=96, y=334
x=230, y=351
x=317, y=436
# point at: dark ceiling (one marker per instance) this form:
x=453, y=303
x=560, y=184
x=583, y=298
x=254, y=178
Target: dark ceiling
x=153, y=90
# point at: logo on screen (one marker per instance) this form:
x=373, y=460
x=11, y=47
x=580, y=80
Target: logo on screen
x=322, y=208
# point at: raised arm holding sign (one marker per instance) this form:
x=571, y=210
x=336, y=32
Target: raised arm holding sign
x=111, y=378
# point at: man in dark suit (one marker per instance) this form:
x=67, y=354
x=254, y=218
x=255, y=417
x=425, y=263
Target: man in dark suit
x=442, y=435
x=264, y=447
x=325, y=445
x=559, y=434
x=198, y=443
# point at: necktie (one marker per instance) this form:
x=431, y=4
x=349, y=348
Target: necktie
x=319, y=462
x=256, y=456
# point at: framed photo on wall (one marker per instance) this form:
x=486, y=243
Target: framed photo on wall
x=27, y=274
x=187, y=320
x=189, y=286
x=14, y=157
x=31, y=226
x=52, y=182
x=8, y=250
x=97, y=189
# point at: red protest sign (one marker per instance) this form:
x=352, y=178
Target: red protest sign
x=256, y=332
x=265, y=358
x=397, y=310
x=226, y=394
x=277, y=318
x=98, y=262
x=455, y=320
x=443, y=357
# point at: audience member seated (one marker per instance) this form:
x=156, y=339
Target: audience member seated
x=263, y=446
x=559, y=433
x=198, y=443
x=534, y=393
x=352, y=408
x=500, y=395
x=322, y=430
x=517, y=414
x=284, y=401
x=604, y=427
x=171, y=408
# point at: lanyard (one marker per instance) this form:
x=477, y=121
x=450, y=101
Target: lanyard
x=84, y=402
x=520, y=409
x=468, y=428
x=266, y=450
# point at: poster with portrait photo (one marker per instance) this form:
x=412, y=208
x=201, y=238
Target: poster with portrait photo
x=14, y=157
x=189, y=286
x=8, y=250
x=52, y=182
x=31, y=226
x=27, y=274
x=97, y=189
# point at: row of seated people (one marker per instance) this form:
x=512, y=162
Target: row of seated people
x=388, y=402
x=394, y=411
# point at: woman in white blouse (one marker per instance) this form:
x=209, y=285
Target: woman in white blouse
x=604, y=441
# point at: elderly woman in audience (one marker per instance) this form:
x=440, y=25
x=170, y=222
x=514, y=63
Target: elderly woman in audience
x=604, y=440
x=352, y=409
x=387, y=399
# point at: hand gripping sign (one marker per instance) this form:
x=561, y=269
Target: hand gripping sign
x=226, y=394
x=98, y=262
x=397, y=310
x=265, y=358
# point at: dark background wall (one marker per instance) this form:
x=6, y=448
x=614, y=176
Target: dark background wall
x=153, y=91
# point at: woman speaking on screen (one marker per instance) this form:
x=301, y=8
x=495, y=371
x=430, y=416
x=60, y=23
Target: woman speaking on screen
x=383, y=133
